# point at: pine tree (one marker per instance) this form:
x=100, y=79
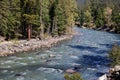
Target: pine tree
x=99, y=21
x=29, y=16
x=36, y=18
x=65, y=16
x=81, y=17
x=116, y=18
x=9, y=20
x=4, y=10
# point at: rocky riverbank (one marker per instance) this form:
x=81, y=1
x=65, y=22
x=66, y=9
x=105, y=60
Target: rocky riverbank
x=12, y=47
x=114, y=74
x=108, y=29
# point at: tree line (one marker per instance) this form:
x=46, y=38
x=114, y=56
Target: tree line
x=101, y=14
x=36, y=18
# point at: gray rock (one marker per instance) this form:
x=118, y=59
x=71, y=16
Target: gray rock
x=103, y=77
x=71, y=71
x=117, y=68
x=52, y=56
x=2, y=39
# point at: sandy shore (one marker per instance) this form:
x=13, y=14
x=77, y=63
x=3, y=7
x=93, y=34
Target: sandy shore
x=12, y=47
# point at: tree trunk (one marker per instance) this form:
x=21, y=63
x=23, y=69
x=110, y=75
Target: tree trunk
x=29, y=32
x=41, y=22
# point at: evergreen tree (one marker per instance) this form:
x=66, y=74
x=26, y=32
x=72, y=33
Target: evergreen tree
x=116, y=18
x=81, y=17
x=65, y=15
x=4, y=14
x=87, y=18
x=99, y=20
x=9, y=20
x=36, y=18
x=29, y=16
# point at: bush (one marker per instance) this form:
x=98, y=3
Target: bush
x=75, y=76
x=115, y=55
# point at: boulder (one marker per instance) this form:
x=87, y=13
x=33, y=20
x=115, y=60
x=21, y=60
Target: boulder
x=18, y=74
x=52, y=56
x=117, y=68
x=2, y=39
x=71, y=71
x=103, y=77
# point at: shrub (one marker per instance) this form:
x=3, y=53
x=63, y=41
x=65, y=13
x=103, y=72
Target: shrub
x=75, y=76
x=115, y=55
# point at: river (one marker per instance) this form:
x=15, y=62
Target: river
x=87, y=50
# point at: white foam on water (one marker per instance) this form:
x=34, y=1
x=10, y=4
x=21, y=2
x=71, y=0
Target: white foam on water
x=74, y=57
x=23, y=63
x=92, y=69
x=5, y=66
x=8, y=66
x=59, y=70
x=20, y=78
x=30, y=58
x=87, y=52
x=48, y=51
x=19, y=58
x=11, y=71
x=49, y=70
x=58, y=56
x=9, y=61
x=33, y=62
x=23, y=73
x=4, y=71
x=53, y=62
x=2, y=63
x=44, y=55
x=13, y=57
x=75, y=64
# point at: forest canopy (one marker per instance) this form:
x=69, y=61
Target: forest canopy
x=42, y=17
x=100, y=14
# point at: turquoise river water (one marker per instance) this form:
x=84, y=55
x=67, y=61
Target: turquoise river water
x=87, y=52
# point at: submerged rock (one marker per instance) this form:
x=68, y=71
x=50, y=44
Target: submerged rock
x=18, y=74
x=50, y=70
x=52, y=56
x=71, y=71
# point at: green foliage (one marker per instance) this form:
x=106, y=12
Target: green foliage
x=81, y=17
x=75, y=76
x=9, y=20
x=116, y=18
x=46, y=17
x=115, y=55
x=63, y=16
x=101, y=13
x=97, y=13
x=99, y=20
x=60, y=17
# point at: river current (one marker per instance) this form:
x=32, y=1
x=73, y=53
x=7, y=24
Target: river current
x=87, y=51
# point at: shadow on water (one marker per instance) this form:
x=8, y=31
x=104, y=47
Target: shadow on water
x=95, y=60
x=107, y=45
x=88, y=48
x=94, y=63
x=98, y=74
